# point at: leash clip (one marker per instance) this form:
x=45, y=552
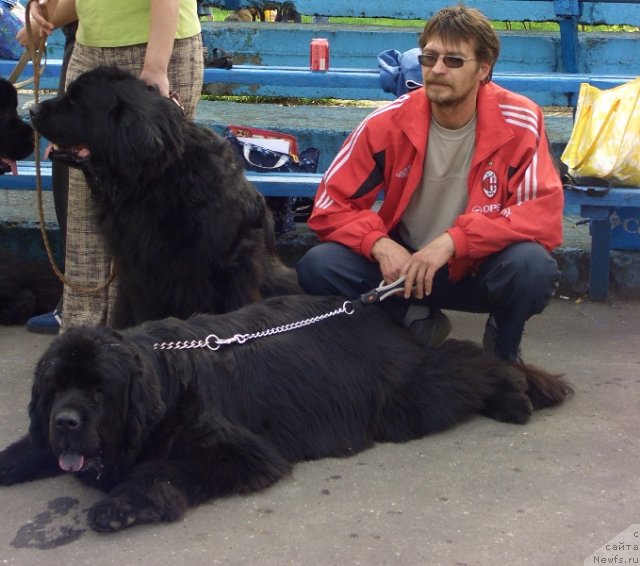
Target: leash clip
x=382, y=291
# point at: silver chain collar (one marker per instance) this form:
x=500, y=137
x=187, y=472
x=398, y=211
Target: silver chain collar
x=213, y=342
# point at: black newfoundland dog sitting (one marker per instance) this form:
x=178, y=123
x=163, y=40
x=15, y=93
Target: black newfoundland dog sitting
x=174, y=413
x=187, y=231
x=26, y=287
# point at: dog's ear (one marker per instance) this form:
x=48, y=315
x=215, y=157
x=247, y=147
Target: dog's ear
x=147, y=132
x=145, y=406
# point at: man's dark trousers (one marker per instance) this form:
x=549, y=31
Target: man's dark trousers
x=512, y=285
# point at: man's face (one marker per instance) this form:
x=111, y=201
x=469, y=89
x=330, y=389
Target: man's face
x=447, y=86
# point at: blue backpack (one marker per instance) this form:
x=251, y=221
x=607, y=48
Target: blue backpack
x=399, y=72
x=11, y=22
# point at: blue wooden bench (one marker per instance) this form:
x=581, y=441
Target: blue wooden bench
x=269, y=184
x=597, y=208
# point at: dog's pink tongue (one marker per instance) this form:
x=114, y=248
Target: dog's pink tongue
x=71, y=461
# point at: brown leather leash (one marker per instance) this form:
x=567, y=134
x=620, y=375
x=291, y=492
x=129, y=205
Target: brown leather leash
x=35, y=53
x=17, y=71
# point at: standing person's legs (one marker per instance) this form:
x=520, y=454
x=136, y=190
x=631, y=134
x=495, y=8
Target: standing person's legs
x=186, y=73
x=87, y=261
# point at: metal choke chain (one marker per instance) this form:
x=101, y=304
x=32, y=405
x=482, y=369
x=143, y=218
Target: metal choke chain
x=213, y=342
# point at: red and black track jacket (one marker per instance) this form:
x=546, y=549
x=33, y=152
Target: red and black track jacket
x=515, y=193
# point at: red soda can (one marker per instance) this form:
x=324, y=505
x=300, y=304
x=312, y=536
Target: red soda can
x=319, y=55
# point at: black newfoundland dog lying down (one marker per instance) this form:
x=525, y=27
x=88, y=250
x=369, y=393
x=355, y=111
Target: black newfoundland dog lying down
x=161, y=430
x=187, y=231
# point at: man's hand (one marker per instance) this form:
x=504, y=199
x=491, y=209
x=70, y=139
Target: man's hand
x=23, y=36
x=391, y=256
x=423, y=264
x=419, y=267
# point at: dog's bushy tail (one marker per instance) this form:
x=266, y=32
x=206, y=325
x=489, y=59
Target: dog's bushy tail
x=544, y=389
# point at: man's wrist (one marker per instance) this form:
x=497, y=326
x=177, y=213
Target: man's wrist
x=379, y=247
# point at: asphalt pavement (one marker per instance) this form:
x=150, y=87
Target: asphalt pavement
x=551, y=492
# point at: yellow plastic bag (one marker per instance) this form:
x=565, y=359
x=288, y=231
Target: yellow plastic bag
x=605, y=141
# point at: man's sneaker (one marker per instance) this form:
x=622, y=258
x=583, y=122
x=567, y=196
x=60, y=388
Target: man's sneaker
x=489, y=339
x=432, y=327
x=48, y=323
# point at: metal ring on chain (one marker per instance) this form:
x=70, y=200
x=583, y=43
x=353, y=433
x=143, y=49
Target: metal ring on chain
x=213, y=342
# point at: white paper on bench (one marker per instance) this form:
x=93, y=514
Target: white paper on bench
x=279, y=145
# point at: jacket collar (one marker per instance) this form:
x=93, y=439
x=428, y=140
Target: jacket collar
x=415, y=114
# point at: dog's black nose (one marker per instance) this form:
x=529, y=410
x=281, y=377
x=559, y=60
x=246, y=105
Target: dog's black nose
x=67, y=420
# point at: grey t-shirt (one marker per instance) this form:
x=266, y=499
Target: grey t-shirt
x=442, y=195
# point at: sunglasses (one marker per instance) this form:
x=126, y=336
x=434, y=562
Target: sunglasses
x=451, y=61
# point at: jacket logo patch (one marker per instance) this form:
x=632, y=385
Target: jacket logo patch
x=404, y=172
x=490, y=184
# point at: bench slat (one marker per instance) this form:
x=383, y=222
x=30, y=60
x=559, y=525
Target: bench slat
x=250, y=76
x=286, y=184
x=26, y=178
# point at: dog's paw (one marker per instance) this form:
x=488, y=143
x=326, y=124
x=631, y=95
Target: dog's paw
x=510, y=402
x=515, y=408
x=115, y=514
x=135, y=505
x=21, y=462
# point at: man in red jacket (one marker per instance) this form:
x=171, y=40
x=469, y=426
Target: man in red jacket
x=472, y=200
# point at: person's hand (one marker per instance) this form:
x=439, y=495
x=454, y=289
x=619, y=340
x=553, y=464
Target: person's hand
x=423, y=264
x=156, y=79
x=391, y=257
x=23, y=36
x=38, y=13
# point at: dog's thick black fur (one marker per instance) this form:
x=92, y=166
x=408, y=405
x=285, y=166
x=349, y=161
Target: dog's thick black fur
x=26, y=287
x=187, y=231
x=16, y=137
x=164, y=430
